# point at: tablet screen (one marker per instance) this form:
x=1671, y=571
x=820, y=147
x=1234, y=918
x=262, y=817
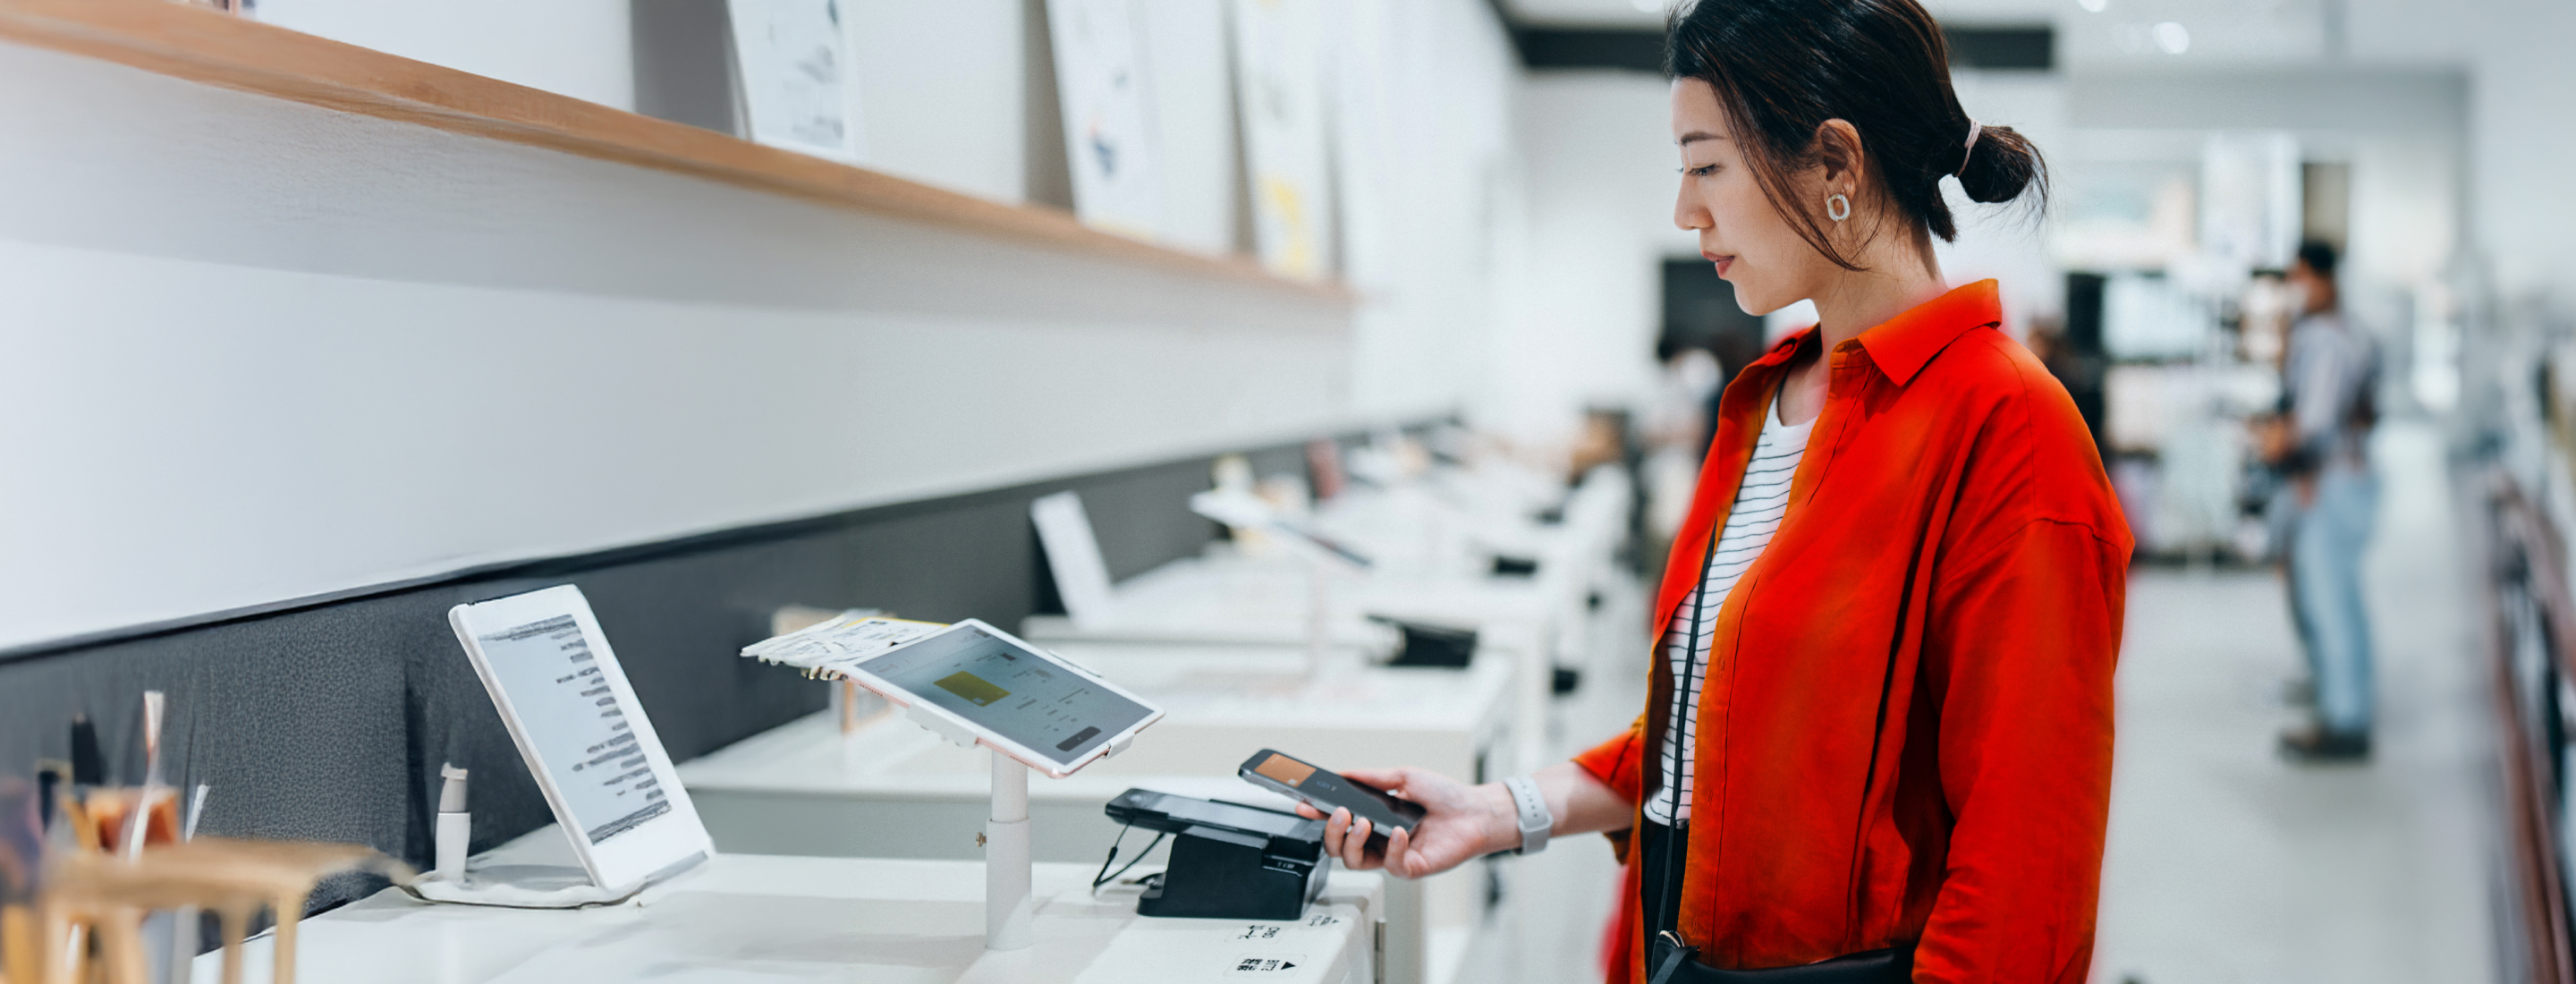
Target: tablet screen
x=574, y=721
x=1020, y=695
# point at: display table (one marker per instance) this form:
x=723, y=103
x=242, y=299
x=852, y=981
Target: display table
x=774, y=918
x=893, y=789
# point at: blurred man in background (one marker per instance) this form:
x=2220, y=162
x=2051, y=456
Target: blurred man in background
x=2321, y=443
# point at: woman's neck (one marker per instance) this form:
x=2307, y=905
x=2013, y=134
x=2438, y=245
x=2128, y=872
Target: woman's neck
x=1892, y=283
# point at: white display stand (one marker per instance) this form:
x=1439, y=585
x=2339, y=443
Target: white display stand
x=895, y=790
x=1054, y=699
x=793, y=919
x=1007, y=863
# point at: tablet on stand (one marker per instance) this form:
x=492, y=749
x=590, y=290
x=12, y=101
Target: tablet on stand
x=576, y=723
x=978, y=685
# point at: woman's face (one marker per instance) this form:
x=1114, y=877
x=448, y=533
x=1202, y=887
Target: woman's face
x=1753, y=246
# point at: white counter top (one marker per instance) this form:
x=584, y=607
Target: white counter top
x=772, y=918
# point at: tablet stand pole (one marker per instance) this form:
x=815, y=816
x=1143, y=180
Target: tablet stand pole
x=1007, y=911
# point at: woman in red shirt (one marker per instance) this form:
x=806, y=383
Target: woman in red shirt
x=1889, y=625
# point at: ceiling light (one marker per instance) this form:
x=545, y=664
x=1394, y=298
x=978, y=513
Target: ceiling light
x=1647, y=6
x=2172, y=37
x=2094, y=6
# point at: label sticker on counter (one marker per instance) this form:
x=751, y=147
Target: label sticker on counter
x=1268, y=966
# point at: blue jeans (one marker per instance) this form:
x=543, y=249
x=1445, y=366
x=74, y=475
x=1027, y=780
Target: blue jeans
x=2325, y=572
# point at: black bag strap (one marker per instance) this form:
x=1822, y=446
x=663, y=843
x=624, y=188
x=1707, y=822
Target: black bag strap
x=1675, y=847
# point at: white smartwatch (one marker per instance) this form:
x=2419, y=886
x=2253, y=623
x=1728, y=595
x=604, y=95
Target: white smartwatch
x=1535, y=820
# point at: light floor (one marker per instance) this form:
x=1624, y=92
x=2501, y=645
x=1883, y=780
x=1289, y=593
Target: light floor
x=2226, y=865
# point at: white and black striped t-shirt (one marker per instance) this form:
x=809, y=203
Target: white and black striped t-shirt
x=1759, y=505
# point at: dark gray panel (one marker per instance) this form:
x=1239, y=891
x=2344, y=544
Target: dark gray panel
x=2024, y=47
x=1615, y=48
x=327, y=718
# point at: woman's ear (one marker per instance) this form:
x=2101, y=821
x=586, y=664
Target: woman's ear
x=1838, y=154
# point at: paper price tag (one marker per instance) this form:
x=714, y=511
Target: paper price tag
x=840, y=642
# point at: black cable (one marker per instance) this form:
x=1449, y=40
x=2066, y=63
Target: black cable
x=1103, y=877
x=1106, y=876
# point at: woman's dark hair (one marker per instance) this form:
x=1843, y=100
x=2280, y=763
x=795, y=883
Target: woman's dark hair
x=1783, y=67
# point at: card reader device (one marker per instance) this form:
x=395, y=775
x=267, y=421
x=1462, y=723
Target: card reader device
x=1229, y=861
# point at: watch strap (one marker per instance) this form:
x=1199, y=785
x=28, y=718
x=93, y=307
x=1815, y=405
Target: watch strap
x=1533, y=816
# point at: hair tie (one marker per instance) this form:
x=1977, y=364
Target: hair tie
x=1974, y=131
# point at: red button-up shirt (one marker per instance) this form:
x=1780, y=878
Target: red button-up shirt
x=1905, y=732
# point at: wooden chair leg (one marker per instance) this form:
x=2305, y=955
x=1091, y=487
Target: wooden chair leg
x=120, y=946
x=54, y=936
x=290, y=912
x=71, y=963
x=235, y=920
x=19, y=952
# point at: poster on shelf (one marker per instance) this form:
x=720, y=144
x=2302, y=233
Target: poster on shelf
x=1280, y=93
x=791, y=77
x=1108, y=116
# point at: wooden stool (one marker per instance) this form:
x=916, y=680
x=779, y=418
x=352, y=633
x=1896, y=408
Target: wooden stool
x=234, y=879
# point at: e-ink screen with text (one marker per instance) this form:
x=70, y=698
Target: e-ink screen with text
x=571, y=715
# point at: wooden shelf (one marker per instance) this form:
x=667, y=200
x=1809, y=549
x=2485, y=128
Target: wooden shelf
x=206, y=46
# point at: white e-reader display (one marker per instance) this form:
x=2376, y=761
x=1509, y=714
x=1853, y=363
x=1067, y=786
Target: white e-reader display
x=568, y=706
x=1021, y=701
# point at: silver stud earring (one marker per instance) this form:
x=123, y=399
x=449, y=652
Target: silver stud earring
x=1837, y=207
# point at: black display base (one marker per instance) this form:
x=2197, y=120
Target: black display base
x=1221, y=874
x=1440, y=646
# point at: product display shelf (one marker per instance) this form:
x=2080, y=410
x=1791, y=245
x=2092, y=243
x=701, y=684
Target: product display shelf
x=892, y=789
x=207, y=46
x=846, y=920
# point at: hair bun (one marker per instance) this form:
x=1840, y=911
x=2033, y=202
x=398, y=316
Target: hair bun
x=2000, y=166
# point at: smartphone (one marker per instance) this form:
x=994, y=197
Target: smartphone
x=1326, y=791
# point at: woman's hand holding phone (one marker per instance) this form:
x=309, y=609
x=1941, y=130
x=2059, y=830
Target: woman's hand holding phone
x=1460, y=822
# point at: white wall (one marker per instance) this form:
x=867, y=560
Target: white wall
x=1598, y=152
x=1431, y=183
x=2522, y=148
x=253, y=350
x=1423, y=115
